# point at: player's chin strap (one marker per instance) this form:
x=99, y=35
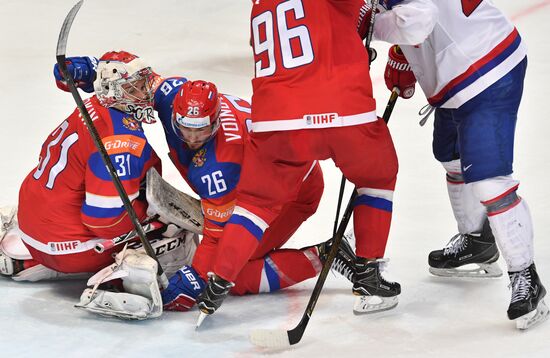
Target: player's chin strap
x=142, y=298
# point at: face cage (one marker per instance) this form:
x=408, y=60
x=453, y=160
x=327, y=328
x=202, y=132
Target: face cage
x=117, y=96
x=176, y=128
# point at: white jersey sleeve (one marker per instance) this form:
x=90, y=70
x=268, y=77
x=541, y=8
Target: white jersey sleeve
x=408, y=23
x=457, y=49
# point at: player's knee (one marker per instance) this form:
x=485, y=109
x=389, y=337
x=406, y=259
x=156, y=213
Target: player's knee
x=498, y=194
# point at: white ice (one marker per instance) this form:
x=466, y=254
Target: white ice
x=209, y=40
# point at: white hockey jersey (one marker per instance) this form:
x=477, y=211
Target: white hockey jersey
x=456, y=48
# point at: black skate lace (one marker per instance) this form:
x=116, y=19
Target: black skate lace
x=520, y=283
x=455, y=245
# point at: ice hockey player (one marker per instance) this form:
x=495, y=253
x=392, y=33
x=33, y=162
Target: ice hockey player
x=470, y=61
x=68, y=203
x=207, y=136
x=312, y=100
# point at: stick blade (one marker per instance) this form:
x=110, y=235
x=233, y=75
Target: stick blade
x=270, y=338
x=64, y=33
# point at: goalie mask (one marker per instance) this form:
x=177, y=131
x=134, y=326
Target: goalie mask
x=195, y=118
x=125, y=82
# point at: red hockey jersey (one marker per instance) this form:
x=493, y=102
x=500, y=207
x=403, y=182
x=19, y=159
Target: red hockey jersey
x=308, y=72
x=69, y=200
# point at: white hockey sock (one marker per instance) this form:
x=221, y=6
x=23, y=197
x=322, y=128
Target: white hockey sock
x=509, y=218
x=467, y=209
x=513, y=230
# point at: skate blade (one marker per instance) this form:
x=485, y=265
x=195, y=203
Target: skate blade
x=540, y=314
x=373, y=304
x=201, y=318
x=491, y=270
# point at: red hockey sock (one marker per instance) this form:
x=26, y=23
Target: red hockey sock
x=281, y=268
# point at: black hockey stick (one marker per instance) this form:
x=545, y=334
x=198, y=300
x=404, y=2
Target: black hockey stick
x=60, y=56
x=278, y=338
x=391, y=104
x=372, y=57
x=150, y=224
x=339, y=205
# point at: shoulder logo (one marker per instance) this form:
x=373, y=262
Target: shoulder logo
x=200, y=158
x=131, y=124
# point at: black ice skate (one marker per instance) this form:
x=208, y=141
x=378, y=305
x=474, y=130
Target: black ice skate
x=375, y=293
x=212, y=297
x=467, y=255
x=527, y=305
x=10, y=267
x=345, y=257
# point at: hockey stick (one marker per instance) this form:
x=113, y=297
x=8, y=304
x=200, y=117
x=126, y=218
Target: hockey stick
x=60, y=56
x=339, y=205
x=149, y=225
x=372, y=57
x=278, y=338
x=391, y=104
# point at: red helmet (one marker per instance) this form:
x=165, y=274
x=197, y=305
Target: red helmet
x=197, y=105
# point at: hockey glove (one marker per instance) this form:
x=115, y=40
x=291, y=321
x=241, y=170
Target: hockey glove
x=183, y=289
x=398, y=73
x=83, y=71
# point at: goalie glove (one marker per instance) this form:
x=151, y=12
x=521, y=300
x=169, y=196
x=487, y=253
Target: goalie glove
x=83, y=71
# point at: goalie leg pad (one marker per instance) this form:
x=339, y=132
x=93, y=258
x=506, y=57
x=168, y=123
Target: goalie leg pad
x=172, y=252
x=42, y=273
x=116, y=304
x=139, y=278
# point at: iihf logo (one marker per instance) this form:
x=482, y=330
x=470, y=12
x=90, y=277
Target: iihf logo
x=323, y=119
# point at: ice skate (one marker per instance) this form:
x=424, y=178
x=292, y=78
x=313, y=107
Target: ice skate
x=10, y=267
x=527, y=306
x=345, y=257
x=467, y=255
x=374, y=292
